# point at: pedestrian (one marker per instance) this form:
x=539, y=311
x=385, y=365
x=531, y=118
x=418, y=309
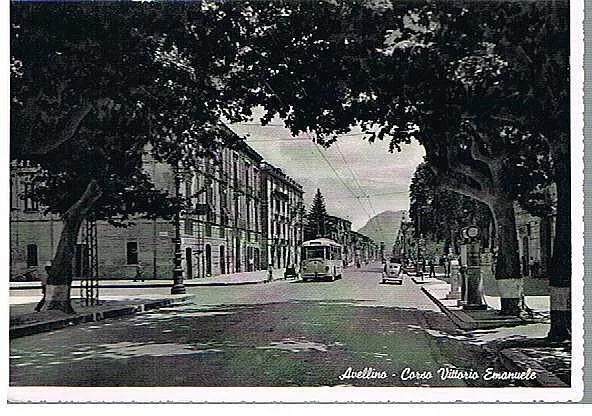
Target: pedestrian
x=536, y=269
x=432, y=269
x=269, y=273
x=139, y=273
x=531, y=266
x=43, y=279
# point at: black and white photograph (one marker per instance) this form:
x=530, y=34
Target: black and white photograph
x=345, y=201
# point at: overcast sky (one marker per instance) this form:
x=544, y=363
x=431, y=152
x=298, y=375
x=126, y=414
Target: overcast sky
x=358, y=179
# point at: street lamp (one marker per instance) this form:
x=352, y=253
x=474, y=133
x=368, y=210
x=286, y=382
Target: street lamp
x=404, y=226
x=178, y=287
x=418, y=232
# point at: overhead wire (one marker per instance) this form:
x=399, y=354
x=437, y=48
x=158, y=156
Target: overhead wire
x=305, y=93
x=350, y=190
x=357, y=182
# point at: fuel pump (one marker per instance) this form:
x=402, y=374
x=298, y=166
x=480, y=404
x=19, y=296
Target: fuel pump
x=473, y=293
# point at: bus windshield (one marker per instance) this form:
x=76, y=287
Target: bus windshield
x=313, y=253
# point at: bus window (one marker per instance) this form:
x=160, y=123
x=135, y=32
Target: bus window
x=313, y=253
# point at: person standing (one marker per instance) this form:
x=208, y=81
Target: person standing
x=432, y=269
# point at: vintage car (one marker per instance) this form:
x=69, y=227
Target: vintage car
x=392, y=271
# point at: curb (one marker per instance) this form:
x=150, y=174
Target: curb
x=516, y=361
x=466, y=322
x=154, y=285
x=19, y=331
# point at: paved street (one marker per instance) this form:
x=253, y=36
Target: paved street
x=284, y=333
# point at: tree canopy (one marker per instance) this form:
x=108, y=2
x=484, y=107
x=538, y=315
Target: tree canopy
x=316, y=224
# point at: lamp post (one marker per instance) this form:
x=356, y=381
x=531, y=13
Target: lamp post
x=404, y=231
x=178, y=287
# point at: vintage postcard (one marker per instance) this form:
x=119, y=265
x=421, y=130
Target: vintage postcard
x=304, y=201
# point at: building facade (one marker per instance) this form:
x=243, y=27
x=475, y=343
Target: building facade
x=34, y=235
x=339, y=230
x=535, y=239
x=241, y=215
x=282, y=210
x=364, y=248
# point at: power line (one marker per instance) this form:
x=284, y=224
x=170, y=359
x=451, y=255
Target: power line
x=341, y=180
x=354, y=176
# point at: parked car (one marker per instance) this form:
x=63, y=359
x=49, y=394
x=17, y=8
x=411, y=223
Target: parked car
x=392, y=271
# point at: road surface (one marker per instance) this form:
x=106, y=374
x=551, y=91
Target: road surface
x=354, y=332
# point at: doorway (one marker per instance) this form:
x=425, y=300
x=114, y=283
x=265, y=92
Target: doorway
x=189, y=262
x=208, y=260
x=222, y=260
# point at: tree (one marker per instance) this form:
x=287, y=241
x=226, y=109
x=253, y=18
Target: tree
x=92, y=85
x=449, y=75
x=316, y=221
x=543, y=55
x=444, y=213
x=482, y=86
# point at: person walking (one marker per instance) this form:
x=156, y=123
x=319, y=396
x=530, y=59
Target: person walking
x=139, y=273
x=432, y=269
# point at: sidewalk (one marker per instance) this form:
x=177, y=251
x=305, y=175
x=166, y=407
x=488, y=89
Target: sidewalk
x=24, y=321
x=552, y=363
x=243, y=278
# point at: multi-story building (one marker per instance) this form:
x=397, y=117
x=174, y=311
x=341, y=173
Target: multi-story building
x=34, y=235
x=282, y=210
x=535, y=238
x=338, y=230
x=364, y=248
x=241, y=215
x=220, y=226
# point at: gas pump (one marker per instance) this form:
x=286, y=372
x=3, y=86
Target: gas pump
x=473, y=284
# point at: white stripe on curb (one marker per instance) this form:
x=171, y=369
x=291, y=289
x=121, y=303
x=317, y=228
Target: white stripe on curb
x=510, y=288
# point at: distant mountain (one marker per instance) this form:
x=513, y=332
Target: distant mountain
x=383, y=227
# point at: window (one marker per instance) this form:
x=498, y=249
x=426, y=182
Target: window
x=30, y=203
x=188, y=226
x=132, y=252
x=188, y=190
x=313, y=253
x=32, y=258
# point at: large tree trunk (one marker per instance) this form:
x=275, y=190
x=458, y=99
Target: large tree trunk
x=560, y=266
x=59, y=280
x=507, y=265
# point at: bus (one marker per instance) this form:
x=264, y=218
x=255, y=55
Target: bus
x=321, y=259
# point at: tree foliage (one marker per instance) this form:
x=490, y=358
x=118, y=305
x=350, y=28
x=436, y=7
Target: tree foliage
x=93, y=84
x=316, y=224
x=441, y=214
